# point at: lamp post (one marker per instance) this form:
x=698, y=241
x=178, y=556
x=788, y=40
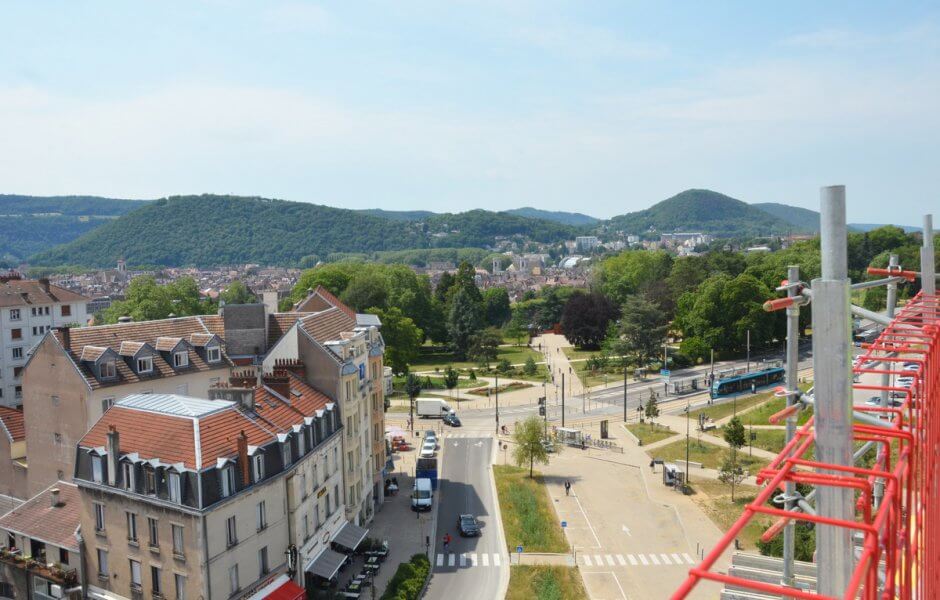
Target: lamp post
x=624, y=393
x=497, y=402
x=687, y=418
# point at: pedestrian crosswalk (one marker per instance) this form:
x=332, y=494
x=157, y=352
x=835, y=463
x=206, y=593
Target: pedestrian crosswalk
x=633, y=560
x=468, y=434
x=467, y=560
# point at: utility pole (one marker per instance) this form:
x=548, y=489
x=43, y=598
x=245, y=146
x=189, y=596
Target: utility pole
x=748, y=367
x=832, y=329
x=563, y=399
x=497, y=402
x=688, y=474
x=625, y=394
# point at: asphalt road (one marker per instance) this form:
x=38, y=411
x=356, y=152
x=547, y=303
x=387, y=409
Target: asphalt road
x=471, y=568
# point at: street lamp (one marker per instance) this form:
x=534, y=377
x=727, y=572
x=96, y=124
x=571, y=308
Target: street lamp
x=497, y=402
x=687, y=418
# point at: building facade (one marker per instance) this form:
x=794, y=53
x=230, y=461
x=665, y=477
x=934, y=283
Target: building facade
x=29, y=309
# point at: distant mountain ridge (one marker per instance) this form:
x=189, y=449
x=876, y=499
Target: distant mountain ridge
x=804, y=219
x=560, y=216
x=398, y=215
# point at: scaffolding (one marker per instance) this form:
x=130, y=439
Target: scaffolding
x=877, y=525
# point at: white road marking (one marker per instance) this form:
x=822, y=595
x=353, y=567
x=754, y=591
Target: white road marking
x=631, y=559
x=622, y=562
x=626, y=530
x=486, y=559
x=587, y=560
x=463, y=559
x=599, y=560
x=473, y=559
x=588, y=521
x=496, y=560
x=440, y=560
x=688, y=558
x=677, y=558
x=643, y=560
x=665, y=559
x=654, y=559
x=451, y=559
x=610, y=560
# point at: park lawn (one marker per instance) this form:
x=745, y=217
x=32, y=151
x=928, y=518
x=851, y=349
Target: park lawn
x=528, y=517
x=436, y=358
x=728, y=406
x=543, y=582
x=437, y=383
x=503, y=388
x=710, y=455
x=649, y=433
x=714, y=497
x=575, y=354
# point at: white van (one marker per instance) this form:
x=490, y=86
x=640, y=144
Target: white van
x=422, y=497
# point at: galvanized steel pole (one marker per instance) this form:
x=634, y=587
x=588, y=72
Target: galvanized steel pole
x=792, y=356
x=928, y=277
x=832, y=328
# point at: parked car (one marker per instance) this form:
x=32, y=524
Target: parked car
x=422, y=497
x=876, y=401
x=428, y=449
x=548, y=445
x=468, y=526
x=430, y=436
x=911, y=368
x=452, y=419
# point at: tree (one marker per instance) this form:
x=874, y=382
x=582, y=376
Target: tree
x=402, y=338
x=146, y=300
x=640, y=332
x=484, y=346
x=237, y=293
x=585, y=318
x=496, y=308
x=464, y=321
x=442, y=291
x=529, y=447
x=334, y=277
x=633, y=272
x=734, y=435
x=451, y=377
x=412, y=385
x=366, y=290
x=503, y=366
x=730, y=473
x=530, y=368
x=652, y=408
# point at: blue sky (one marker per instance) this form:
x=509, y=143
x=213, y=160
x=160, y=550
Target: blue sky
x=598, y=107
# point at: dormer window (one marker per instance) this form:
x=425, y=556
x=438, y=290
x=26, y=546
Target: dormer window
x=286, y=453
x=107, y=370
x=213, y=354
x=257, y=467
x=127, y=469
x=97, y=469
x=228, y=481
x=145, y=364
x=173, y=487
x=181, y=359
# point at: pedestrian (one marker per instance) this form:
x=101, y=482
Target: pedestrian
x=567, y=487
x=446, y=541
x=653, y=466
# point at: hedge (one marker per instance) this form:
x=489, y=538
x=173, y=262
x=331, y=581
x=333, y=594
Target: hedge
x=409, y=579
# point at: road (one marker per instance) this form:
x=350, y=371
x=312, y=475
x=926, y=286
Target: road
x=472, y=567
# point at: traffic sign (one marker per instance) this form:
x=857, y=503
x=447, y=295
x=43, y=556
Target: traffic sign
x=664, y=372
x=564, y=524
x=519, y=549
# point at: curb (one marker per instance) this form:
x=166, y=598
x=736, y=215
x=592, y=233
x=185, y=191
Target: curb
x=629, y=433
x=504, y=573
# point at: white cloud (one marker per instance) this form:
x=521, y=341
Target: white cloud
x=587, y=42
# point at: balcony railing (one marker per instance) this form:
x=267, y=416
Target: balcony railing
x=51, y=571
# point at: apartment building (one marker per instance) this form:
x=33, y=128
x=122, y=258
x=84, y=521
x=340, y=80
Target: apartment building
x=343, y=355
x=28, y=309
x=39, y=552
x=184, y=498
x=12, y=453
x=75, y=374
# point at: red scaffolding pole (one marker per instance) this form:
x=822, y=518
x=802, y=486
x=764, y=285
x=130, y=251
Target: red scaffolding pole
x=899, y=555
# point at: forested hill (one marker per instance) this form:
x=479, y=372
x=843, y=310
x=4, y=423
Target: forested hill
x=398, y=215
x=31, y=224
x=559, y=216
x=212, y=230
x=802, y=219
x=702, y=211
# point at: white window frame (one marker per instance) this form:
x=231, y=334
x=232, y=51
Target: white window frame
x=261, y=516
x=257, y=467
x=153, y=532
x=97, y=469
x=135, y=574
x=181, y=359
x=127, y=471
x=233, y=579
x=15, y=314
x=102, y=562
x=156, y=579
x=213, y=354
x=174, y=487
x=178, y=539
x=18, y=353
x=146, y=361
x=286, y=454
x=179, y=584
x=99, y=517
x=107, y=369
x=131, y=526
x=231, y=532
x=106, y=403
x=228, y=481
x=263, y=566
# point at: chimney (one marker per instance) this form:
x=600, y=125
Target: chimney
x=242, y=443
x=54, y=496
x=279, y=383
x=44, y=284
x=114, y=455
x=65, y=336
x=269, y=299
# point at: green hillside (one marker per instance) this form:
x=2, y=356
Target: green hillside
x=566, y=218
x=32, y=224
x=398, y=215
x=482, y=227
x=802, y=219
x=703, y=211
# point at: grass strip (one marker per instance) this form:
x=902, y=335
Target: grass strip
x=528, y=517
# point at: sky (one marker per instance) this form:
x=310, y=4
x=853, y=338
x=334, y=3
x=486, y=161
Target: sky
x=595, y=107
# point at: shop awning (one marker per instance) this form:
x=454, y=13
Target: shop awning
x=287, y=591
x=327, y=564
x=350, y=536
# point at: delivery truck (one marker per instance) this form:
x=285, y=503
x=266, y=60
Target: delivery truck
x=432, y=407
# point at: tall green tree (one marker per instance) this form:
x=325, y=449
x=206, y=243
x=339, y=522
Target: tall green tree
x=735, y=437
x=464, y=321
x=633, y=272
x=451, y=377
x=585, y=319
x=496, y=306
x=484, y=346
x=146, y=300
x=641, y=331
x=528, y=441
x=366, y=290
x=402, y=338
x=237, y=293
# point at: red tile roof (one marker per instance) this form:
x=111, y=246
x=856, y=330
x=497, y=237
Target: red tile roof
x=321, y=299
x=38, y=519
x=11, y=421
x=280, y=323
x=23, y=292
x=327, y=325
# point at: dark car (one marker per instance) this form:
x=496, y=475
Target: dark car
x=468, y=526
x=452, y=419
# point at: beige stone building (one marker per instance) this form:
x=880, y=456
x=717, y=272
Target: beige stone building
x=76, y=374
x=12, y=453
